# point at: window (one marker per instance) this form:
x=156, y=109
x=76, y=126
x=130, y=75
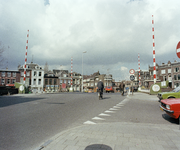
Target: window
x=34, y=73
x=169, y=70
x=39, y=82
x=50, y=81
x=14, y=74
x=13, y=81
x=28, y=73
x=176, y=69
x=46, y=81
x=64, y=75
x=61, y=81
x=69, y=81
x=178, y=76
x=9, y=74
x=64, y=81
x=2, y=81
x=3, y=74
x=163, y=71
x=55, y=81
x=34, y=82
x=40, y=74
x=22, y=73
x=176, y=84
x=175, y=77
x=8, y=81
x=164, y=78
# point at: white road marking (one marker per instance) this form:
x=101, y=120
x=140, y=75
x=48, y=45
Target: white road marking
x=119, y=105
x=116, y=107
x=89, y=122
x=113, y=109
x=107, y=111
x=98, y=118
x=102, y=114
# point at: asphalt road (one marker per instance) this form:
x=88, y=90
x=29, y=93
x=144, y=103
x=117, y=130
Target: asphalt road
x=28, y=121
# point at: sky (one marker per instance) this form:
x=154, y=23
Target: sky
x=112, y=32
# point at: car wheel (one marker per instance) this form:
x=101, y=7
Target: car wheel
x=170, y=97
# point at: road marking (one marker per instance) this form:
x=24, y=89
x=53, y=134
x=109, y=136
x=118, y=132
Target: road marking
x=102, y=114
x=98, y=118
x=116, y=107
x=107, y=111
x=119, y=105
x=113, y=109
x=89, y=122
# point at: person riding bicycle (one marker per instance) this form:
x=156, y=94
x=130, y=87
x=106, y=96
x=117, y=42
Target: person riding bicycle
x=121, y=86
x=100, y=86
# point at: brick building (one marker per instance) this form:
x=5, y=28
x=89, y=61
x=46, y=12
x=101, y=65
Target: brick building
x=9, y=77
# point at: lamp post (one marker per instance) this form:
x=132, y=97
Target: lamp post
x=82, y=70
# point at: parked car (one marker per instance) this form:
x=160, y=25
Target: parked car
x=5, y=90
x=171, y=107
x=109, y=89
x=167, y=95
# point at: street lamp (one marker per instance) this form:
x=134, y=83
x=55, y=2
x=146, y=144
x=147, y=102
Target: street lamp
x=82, y=70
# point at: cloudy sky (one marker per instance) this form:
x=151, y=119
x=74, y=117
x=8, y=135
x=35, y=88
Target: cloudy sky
x=112, y=32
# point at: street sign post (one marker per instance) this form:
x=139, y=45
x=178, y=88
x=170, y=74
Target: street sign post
x=178, y=50
x=132, y=77
x=131, y=71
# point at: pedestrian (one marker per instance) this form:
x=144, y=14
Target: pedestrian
x=121, y=86
x=100, y=86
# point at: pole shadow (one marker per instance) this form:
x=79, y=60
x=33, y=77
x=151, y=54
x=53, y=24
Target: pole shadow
x=98, y=147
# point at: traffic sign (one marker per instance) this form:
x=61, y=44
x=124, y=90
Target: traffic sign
x=132, y=77
x=131, y=71
x=178, y=50
x=21, y=88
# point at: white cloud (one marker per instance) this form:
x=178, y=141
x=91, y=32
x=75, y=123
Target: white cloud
x=112, y=32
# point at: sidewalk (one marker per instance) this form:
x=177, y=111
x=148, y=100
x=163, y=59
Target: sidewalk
x=118, y=135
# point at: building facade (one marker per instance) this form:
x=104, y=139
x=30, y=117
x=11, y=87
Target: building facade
x=34, y=77
x=9, y=77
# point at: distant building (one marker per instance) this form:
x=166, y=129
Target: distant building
x=9, y=77
x=34, y=77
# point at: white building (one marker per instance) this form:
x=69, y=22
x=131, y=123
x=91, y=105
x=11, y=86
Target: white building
x=34, y=77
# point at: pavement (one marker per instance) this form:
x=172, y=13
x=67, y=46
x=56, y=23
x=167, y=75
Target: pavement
x=118, y=135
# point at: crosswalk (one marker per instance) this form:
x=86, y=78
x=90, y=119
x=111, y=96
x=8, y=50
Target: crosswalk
x=107, y=113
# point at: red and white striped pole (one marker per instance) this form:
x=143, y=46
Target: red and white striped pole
x=26, y=56
x=71, y=70
x=154, y=60
x=139, y=71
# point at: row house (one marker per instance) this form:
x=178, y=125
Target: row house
x=90, y=81
x=170, y=72
x=164, y=72
x=60, y=80
x=146, y=79
x=34, y=77
x=9, y=77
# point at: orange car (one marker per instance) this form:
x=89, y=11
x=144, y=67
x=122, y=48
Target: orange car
x=109, y=89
